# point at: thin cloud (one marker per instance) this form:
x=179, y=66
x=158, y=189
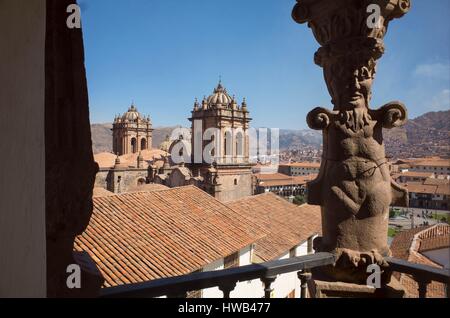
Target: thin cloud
x=433, y=71
x=441, y=101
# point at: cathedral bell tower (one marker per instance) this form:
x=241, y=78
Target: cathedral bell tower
x=220, y=128
x=132, y=132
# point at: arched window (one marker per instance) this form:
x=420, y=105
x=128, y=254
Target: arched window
x=133, y=145
x=239, y=144
x=213, y=151
x=228, y=143
x=143, y=144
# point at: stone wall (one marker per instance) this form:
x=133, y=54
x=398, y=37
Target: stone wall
x=129, y=178
x=229, y=191
x=22, y=96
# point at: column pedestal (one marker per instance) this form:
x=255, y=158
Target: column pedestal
x=331, y=289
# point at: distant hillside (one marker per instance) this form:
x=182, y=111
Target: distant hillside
x=423, y=136
x=102, y=137
x=297, y=139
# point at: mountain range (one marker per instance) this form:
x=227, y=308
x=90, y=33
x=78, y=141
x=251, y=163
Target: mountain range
x=425, y=135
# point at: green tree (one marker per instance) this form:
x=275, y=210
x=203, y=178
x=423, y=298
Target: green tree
x=299, y=200
x=392, y=213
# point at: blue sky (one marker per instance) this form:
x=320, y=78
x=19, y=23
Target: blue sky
x=164, y=53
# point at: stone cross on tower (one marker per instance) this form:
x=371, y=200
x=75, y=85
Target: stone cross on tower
x=354, y=186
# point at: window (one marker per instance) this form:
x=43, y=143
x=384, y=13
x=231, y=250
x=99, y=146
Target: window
x=235, y=182
x=143, y=144
x=239, y=144
x=231, y=261
x=133, y=145
x=228, y=143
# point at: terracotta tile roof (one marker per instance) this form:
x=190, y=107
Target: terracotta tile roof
x=107, y=160
x=271, y=176
x=434, y=162
x=402, y=242
x=101, y=192
x=435, y=243
x=414, y=174
x=287, y=224
x=407, y=245
x=439, y=186
x=302, y=165
x=415, y=187
x=278, y=180
x=443, y=189
x=148, y=188
x=142, y=236
x=435, y=181
x=309, y=177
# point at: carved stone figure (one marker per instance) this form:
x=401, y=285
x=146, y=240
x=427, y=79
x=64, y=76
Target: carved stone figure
x=354, y=186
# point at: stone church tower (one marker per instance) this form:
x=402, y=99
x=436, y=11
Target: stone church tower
x=132, y=132
x=230, y=175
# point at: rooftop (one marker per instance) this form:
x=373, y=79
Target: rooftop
x=278, y=179
x=148, y=188
x=101, y=192
x=435, y=162
x=106, y=160
x=302, y=164
x=409, y=245
x=143, y=236
x=426, y=188
x=413, y=174
x=286, y=224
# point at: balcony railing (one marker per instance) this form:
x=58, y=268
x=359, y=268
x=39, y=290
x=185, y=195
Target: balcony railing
x=226, y=280
x=422, y=274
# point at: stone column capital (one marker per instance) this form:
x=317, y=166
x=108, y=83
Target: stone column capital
x=314, y=10
x=342, y=26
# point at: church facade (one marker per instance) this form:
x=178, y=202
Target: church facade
x=219, y=127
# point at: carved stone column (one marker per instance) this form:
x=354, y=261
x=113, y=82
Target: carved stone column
x=354, y=187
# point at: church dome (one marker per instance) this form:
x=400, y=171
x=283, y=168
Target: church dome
x=132, y=114
x=220, y=96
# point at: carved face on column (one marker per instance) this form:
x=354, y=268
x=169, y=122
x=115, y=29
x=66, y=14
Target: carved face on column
x=350, y=86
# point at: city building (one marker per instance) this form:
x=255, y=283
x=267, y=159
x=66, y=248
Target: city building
x=281, y=184
x=134, y=161
x=439, y=166
x=431, y=194
x=229, y=176
x=299, y=168
x=118, y=174
x=425, y=245
x=412, y=176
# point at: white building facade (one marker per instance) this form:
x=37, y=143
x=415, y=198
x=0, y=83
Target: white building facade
x=285, y=286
